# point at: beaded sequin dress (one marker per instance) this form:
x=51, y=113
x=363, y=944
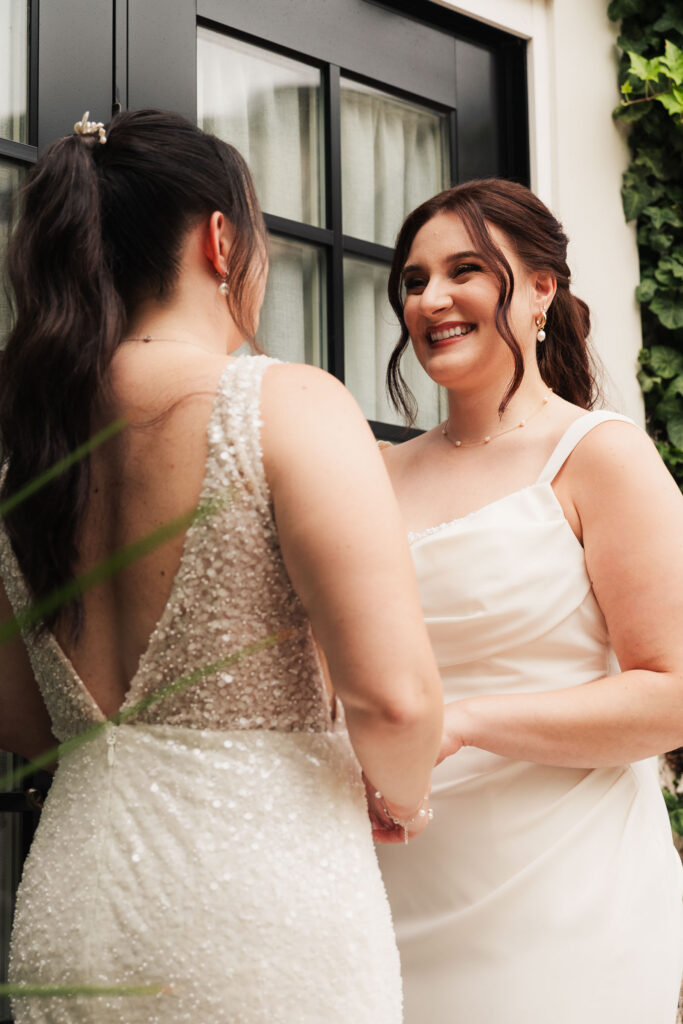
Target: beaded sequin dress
x=215, y=845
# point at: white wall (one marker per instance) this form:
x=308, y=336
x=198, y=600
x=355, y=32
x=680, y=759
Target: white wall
x=577, y=158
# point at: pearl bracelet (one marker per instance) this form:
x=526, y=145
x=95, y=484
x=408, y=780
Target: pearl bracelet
x=422, y=812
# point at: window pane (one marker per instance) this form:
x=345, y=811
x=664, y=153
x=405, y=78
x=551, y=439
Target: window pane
x=10, y=180
x=10, y=870
x=14, y=70
x=371, y=331
x=293, y=315
x=267, y=106
x=394, y=156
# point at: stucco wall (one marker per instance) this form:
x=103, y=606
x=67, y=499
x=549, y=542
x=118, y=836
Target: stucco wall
x=577, y=159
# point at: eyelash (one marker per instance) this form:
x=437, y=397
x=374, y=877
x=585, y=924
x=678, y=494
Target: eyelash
x=464, y=268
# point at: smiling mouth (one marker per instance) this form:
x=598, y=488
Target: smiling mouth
x=450, y=332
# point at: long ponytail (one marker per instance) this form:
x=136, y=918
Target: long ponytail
x=69, y=319
x=101, y=228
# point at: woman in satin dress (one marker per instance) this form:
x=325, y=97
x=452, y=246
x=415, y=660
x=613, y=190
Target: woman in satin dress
x=548, y=544
x=204, y=854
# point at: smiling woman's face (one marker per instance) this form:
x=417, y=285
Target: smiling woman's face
x=450, y=306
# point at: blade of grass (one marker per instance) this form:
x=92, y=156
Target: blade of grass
x=59, y=467
x=122, y=558
x=13, y=778
x=71, y=991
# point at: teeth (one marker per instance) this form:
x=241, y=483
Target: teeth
x=452, y=332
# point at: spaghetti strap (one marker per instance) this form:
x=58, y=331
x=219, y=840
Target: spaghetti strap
x=574, y=433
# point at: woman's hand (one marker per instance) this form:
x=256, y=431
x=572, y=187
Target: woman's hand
x=454, y=722
x=384, y=830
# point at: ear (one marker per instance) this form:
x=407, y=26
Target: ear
x=544, y=288
x=218, y=239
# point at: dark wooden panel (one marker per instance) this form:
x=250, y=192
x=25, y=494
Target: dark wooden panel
x=162, y=55
x=74, y=64
x=362, y=38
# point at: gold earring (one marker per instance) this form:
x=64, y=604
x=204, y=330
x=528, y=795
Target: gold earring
x=540, y=324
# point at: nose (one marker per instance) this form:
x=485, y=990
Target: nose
x=436, y=297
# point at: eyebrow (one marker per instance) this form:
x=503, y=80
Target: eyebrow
x=453, y=258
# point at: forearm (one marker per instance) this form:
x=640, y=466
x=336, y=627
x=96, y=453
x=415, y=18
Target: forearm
x=610, y=721
x=397, y=756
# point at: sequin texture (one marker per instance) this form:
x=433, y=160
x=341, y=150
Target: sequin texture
x=216, y=844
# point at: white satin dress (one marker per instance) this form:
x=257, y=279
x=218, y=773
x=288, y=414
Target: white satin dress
x=538, y=895
x=209, y=860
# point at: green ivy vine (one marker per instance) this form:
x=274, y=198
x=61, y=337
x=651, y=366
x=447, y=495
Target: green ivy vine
x=651, y=83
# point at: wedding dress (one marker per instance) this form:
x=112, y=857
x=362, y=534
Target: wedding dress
x=538, y=894
x=209, y=859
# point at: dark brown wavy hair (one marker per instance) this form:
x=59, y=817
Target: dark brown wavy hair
x=537, y=237
x=100, y=227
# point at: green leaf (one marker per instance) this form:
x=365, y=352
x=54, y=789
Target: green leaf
x=672, y=101
x=674, y=430
x=646, y=290
x=646, y=382
x=661, y=215
x=631, y=114
x=676, y=819
x=669, y=311
x=669, y=271
x=627, y=88
x=644, y=69
x=666, y=362
x=670, y=408
x=673, y=61
x=670, y=799
x=620, y=9
x=672, y=18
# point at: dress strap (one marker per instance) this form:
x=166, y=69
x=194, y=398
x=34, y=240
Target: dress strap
x=574, y=433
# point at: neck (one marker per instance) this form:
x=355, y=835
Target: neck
x=475, y=414
x=200, y=319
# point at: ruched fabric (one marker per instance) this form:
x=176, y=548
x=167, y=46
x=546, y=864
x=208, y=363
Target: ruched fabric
x=538, y=893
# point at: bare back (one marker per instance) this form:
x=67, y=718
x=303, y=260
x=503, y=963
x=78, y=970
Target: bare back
x=147, y=476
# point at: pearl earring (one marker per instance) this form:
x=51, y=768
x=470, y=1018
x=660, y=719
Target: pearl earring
x=540, y=323
x=223, y=287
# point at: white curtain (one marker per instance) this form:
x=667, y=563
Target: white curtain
x=13, y=69
x=393, y=157
x=371, y=331
x=266, y=106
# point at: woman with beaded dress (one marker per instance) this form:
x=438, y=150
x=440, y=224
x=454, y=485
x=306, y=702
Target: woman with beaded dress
x=546, y=539
x=204, y=854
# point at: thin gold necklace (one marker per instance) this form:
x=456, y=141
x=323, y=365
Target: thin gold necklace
x=493, y=437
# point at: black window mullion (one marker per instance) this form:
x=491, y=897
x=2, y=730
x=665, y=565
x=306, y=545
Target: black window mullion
x=298, y=230
x=333, y=182
x=453, y=145
x=368, y=250
x=33, y=51
x=18, y=152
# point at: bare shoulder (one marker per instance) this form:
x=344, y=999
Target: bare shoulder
x=304, y=402
x=287, y=382
x=617, y=458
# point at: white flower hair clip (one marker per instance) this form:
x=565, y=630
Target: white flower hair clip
x=86, y=127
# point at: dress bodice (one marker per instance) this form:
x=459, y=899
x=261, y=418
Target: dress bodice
x=233, y=648
x=509, y=582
